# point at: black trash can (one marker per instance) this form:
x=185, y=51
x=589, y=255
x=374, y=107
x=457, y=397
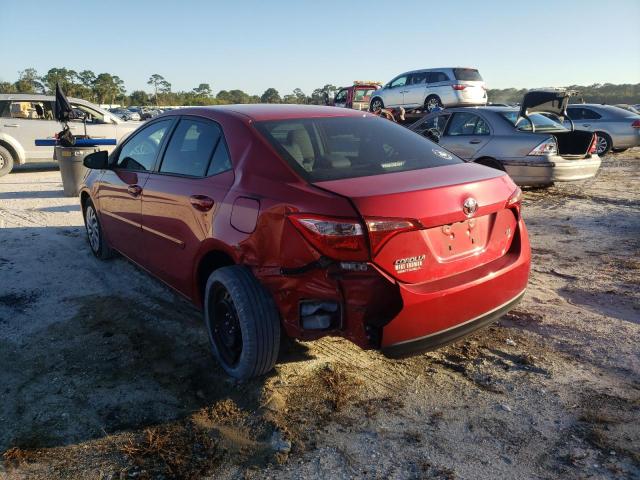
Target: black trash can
x=72, y=170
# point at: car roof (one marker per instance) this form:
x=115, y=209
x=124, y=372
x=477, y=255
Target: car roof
x=430, y=69
x=268, y=111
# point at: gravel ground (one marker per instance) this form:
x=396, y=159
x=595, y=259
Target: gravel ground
x=105, y=373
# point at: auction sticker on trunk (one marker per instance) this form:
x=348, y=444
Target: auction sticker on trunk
x=409, y=264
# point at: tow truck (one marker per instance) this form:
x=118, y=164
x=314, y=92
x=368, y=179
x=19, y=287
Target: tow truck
x=356, y=96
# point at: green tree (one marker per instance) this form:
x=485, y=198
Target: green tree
x=270, y=95
x=158, y=83
x=139, y=97
x=203, y=90
x=7, y=87
x=301, y=97
x=65, y=78
x=320, y=94
x=107, y=88
x=28, y=82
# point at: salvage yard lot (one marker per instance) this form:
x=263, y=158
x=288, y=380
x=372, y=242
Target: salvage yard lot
x=105, y=373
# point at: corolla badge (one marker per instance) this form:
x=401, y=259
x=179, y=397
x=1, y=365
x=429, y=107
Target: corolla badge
x=409, y=264
x=469, y=207
x=442, y=154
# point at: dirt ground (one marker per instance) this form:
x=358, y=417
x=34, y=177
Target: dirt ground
x=105, y=373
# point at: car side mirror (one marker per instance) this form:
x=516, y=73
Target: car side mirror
x=97, y=160
x=433, y=134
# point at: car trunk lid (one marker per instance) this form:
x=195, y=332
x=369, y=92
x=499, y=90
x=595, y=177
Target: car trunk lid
x=545, y=101
x=445, y=240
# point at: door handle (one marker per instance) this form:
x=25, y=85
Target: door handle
x=201, y=202
x=586, y=124
x=13, y=125
x=475, y=142
x=134, y=190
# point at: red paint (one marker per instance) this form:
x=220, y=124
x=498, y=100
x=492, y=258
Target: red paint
x=457, y=268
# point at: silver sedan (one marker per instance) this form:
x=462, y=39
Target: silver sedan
x=617, y=129
x=534, y=151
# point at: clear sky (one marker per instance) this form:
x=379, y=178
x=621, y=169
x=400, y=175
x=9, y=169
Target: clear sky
x=253, y=45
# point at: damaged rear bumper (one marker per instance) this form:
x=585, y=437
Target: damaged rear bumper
x=552, y=169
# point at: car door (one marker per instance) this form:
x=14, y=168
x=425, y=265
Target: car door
x=466, y=133
x=439, y=83
x=97, y=125
x=394, y=92
x=415, y=89
x=341, y=98
x=28, y=120
x=182, y=197
x=121, y=186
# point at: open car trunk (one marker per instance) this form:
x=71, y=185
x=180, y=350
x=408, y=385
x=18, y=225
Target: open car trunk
x=545, y=101
x=575, y=143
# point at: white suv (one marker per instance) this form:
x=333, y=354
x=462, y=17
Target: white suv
x=27, y=117
x=432, y=88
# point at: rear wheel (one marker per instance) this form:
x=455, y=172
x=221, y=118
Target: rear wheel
x=432, y=103
x=604, y=144
x=6, y=161
x=242, y=321
x=376, y=104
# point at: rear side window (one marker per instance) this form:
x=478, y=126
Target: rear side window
x=190, y=148
x=27, y=109
x=435, y=77
x=347, y=147
x=467, y=74
x=467, y=124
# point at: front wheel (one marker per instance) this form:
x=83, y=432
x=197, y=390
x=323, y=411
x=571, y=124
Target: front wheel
x=95, y=235
x=6, y=161
x=242, y=321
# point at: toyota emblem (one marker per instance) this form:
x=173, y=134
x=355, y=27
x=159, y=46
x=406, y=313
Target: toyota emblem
x=469, y=207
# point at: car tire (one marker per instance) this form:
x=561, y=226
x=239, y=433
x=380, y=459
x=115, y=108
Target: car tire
x=95, y=235
x=6, y=161
x=432, y=102
x=242, y=321
x=604, y=144
x=376, y=104
x=490, y=162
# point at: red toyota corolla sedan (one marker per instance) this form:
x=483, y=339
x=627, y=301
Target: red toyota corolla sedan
x=310, y=221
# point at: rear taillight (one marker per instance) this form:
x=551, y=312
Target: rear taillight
x=515, y=200
x=336, y=238
x=382, y=229
x=458, y=87
x=635, y=124
x=593, y=148
x=548, y=147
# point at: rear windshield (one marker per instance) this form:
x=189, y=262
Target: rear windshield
x=468, y=74
x=540, y=121
x=332, y=148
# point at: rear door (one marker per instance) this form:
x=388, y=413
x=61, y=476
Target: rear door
x=466, y=134
x=181, y=198
x=439, y=83
x=415, y=89
x=121, y=187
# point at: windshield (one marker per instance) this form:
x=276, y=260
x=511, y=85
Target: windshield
x=332, y=148
x=467, y=74
x=541, y=122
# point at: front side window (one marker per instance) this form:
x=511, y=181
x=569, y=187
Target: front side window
x=437, y=122
x=341, y=97
x=29, y=110
x=467, y=124
x=398, y=82
x=347, y=147
x=190, y=148
x=141, y=150
x=82, y=113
